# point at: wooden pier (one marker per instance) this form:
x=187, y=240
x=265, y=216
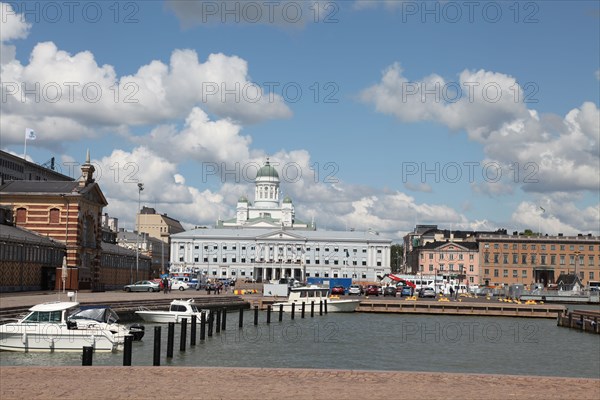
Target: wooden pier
x=462, y=308
x=583, y=320
x=444, y=307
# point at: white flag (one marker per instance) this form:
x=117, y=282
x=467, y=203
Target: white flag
x=29, y=134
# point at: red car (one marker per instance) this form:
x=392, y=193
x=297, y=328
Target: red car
x=338, y=290
x=372, y=290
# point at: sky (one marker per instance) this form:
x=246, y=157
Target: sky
x=378, y=114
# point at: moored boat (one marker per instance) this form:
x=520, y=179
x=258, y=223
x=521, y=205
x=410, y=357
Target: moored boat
x=309, y=294
x=48, y=328
x=178, y=310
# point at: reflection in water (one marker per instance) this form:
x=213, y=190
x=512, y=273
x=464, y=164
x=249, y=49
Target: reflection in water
x=374, y=342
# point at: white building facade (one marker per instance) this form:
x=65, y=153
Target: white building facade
x=265, y=254
x=265, y=242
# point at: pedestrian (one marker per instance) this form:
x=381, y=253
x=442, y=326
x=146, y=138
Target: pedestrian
x=451, y=291
x=165, y=283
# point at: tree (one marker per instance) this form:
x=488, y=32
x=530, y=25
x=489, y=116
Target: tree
x=397, y=257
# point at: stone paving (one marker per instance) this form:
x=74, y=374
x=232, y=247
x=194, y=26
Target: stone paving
x=92, y=383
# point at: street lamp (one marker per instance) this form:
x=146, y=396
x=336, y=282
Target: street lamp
x=137, y=232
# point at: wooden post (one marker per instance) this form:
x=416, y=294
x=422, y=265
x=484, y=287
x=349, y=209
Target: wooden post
x=127, y=350
x=88, y=351
x=294, y=309
x=269, y=314
x=218, y=311
x=255, y=315
x=170, y=339
x=241, y=322
x=320, y=307
x=193, y=331
x=156, y=359
x=302, y=311
x=312, y=309
x=224, y=319
x=183, y=335
x=211, y=320
x=203, y=325
x=280, y=312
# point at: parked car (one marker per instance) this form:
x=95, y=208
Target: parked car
x=339, y=290
x=406, y=291
x=427, y=292
x=372, y=290
x=179, y=285
x=389, y=291
x=355, y=289
x=142, y=286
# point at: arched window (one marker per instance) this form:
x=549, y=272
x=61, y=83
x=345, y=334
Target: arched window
x=54, y=216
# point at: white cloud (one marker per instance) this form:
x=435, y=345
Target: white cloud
x=418, y=187
x=561, y=215
x=74, y=91
x=547, y=153
x=12, y=26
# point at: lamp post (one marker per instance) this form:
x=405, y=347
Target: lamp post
x=137, y=232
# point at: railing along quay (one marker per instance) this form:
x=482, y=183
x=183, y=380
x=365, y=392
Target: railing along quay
x=583, y=320
x=461, y=308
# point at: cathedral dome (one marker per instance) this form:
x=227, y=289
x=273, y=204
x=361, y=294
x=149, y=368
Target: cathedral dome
x=267, y=171
x=287, y=200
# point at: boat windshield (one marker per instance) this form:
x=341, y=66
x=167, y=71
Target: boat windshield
x=43, y=316
x=194, y=308
x=314, y=293
x=96, y=314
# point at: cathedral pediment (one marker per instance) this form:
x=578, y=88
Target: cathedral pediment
x=281, y=235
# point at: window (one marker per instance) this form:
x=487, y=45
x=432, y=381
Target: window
x=486, y=271
x=54, y=216
x=505, y=273
x=21, y=215
x=552, y=259
x=451, y=267
x=431, y=256
x=515, y=273
x=523, y=258
x=533, y=247
x=533, y=258
x=430, y=267
x=524, y=246
x=496, y=273
x=364, y=263
x=552, y=247
x=591, y=260
x=496, y=256
x=562, y=259
x=591, y=275
x=524, y=273
x=505, y=258
x=515, y=258
x=471, y=268
x=496, y=245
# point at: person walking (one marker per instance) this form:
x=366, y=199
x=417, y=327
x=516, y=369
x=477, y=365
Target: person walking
x=165, y=283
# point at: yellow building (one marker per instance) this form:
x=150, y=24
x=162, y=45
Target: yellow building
x=509, y=259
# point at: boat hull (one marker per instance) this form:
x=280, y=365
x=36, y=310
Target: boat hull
x=164, y=317
x=332, y=306
x=55, y=338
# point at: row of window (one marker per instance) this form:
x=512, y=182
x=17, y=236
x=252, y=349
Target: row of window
x=272, y=248
x=37, y=254
x=543, y=259
x=53, y=216
x=533, y=246
x=452, y=267
x=448, y=256
x=243, y=260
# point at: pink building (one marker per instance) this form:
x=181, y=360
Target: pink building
x=453, y=260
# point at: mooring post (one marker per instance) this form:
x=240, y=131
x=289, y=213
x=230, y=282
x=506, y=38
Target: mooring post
x=241, y=321
x=170, y=339
x=269, y=314
x=156, y=360
x=320, y=307
x=224, y=319
x=218, y=328
x=294, y=310
x=183, y=335
x=255, y=315
x=127, y=350
x=193, y=331
x=312, y=309
x=280, y=312
x=203, y=325
x=325, y=304
x=211, y=320
x=88, y=351
x=302, y=310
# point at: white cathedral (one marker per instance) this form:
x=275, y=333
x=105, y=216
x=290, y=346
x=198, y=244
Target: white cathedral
x=265, y=242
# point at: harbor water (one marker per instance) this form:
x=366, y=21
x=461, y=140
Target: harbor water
x=369, y=341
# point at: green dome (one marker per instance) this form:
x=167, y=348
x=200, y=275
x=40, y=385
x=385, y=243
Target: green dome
x=287, y=200
x=267, y=171
x=242, y=199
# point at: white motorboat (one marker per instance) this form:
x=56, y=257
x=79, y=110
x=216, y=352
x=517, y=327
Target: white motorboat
x=308, y=294
x=178, y=310
x=47, y=328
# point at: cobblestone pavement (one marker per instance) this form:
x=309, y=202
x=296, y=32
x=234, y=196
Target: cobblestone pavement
x=92, y=383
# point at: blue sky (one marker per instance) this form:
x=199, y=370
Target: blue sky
x=361, y=132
